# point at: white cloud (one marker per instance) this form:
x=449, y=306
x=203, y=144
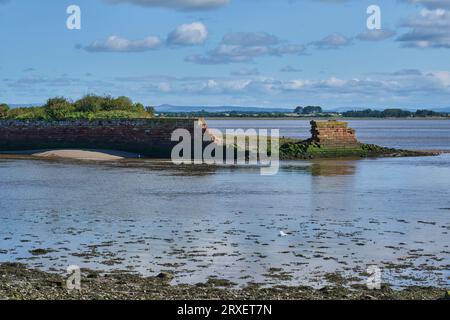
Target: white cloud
x=119, y=44
x=188, y=34
x=177, y=4
x=432, y=4
x=250, y=39
x=332, y=41
x=245, y=72
x=401, y=85
x=164, y=87
x=429, y=29
x=244, y=47
x=442, y=76
x=289, y=68
x=375, y=35
x=403, y=88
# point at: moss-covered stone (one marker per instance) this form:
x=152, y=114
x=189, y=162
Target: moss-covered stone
x=298, y=150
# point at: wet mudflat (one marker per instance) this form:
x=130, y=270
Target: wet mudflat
x=19, y=282
x=203, y=224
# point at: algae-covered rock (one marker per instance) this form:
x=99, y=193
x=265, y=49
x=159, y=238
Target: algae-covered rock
x=298, y=150
x=166, y=276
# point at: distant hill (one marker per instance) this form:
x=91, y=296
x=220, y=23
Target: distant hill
x=26, y=105
x=171, y=108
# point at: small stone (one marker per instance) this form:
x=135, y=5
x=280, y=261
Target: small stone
x=165, y=276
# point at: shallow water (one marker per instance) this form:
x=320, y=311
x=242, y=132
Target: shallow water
x=403, y=134
x=147, y=216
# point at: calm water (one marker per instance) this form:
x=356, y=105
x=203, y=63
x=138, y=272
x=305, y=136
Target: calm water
x=406, y=134
x=147, y=216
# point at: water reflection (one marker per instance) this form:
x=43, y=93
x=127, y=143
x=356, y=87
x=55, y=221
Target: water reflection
x=332, y=168
x=198, y=221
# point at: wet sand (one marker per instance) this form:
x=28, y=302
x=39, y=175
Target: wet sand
x=74, y=154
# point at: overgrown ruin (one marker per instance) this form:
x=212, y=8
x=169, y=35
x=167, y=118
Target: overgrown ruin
x=333, y=134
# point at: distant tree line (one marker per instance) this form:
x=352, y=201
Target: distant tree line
x=392, y=113
x=309, y=110
x=223, y=114
x=106, y=107
x=89, y=107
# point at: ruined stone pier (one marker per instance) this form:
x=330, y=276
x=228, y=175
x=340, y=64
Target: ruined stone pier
x=333, y=134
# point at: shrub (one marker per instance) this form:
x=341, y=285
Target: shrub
x=122, y=103
x=89, y=107
x=91, y=103
x=4, y=108
x=58, y=108
x=150, y=111
x=33, y=113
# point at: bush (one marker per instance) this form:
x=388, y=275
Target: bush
x=89, y=107
x=58, y=108
x=4, y=108
x=122, y=103
x=33, y=113
x=91, y=103
x=150, y=111
x=308, y=110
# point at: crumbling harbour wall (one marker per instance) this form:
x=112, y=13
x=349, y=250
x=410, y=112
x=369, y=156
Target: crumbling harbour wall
x=148, y=137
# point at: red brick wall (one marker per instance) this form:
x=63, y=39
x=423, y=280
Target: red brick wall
x=333, y=134
x=149, y=137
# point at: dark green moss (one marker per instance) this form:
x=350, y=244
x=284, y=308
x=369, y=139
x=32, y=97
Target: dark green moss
x=298, y=150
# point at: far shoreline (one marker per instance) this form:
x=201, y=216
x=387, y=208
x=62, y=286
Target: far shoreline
x=319, y=118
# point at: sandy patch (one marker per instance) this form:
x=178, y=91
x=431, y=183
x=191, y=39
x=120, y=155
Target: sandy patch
x=98, y=155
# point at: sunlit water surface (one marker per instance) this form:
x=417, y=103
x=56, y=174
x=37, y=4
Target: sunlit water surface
x=146, y=216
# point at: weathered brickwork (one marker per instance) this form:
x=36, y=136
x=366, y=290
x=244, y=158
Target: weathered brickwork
x=149, y=137
x=333, y=134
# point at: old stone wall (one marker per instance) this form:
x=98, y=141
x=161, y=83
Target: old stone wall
x=333, y=134
x=148, y=137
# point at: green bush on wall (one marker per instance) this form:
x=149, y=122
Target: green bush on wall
x=4, y=108
x=89, y=107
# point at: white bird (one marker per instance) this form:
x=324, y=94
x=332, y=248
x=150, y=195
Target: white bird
x=283, y=234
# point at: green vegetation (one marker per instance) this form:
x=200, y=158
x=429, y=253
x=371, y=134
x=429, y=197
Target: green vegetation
x=291, y=149
x=4, y=108
x=295, y=149
x=93, y=107
x=309, y=110
x=223, y=114
x=392, y=113
x=89, y=107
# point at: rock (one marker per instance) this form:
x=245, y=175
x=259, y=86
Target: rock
x=38, y=252
x=165, y=276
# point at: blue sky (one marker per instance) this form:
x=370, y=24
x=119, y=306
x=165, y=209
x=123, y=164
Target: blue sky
x=274, y=53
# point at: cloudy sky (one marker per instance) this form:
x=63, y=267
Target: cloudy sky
x=274, y=53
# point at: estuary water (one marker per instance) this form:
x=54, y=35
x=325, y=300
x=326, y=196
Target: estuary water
x=147, y=216
x=406, y=134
